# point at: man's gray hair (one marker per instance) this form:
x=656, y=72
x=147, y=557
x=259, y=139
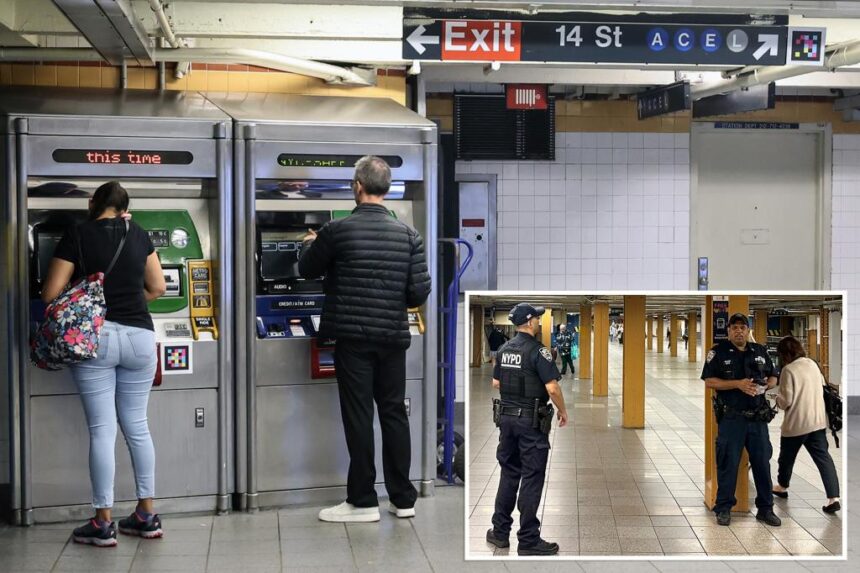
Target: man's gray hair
x=374, y=174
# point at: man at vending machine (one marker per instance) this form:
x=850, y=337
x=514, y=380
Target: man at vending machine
x=375, y=269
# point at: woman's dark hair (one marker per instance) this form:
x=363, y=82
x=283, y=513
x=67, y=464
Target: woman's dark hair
x=111, y=194
x=789, y=349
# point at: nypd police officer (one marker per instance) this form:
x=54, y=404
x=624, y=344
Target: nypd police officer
x=527, y=379
x=740, y=372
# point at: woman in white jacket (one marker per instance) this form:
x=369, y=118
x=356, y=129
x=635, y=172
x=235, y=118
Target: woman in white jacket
x=801, y=396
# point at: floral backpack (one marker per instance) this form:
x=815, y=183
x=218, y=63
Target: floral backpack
x=69, y=332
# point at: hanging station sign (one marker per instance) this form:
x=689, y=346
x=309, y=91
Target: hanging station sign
x=598, y=38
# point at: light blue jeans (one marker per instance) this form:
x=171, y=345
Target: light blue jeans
x=117, y=385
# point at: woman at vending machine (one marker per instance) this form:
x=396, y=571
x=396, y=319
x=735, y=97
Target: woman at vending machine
x=115, y=385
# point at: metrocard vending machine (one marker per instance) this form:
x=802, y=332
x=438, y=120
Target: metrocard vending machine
x=175, y=168
x=298, y=154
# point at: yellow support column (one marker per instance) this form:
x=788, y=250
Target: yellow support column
x=600, y=386
x=633, y=383
x=741, y=304
x=710, y=421
x=760, y=327
x=478, y=336
x=660, y=332
x=673, y=335
x=585, y=341
x=692, y=332
x=546, y=328
x=812, y=343
x=650, y=330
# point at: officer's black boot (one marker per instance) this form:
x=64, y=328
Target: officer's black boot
x=724, y=518
x=769, y=517
x=542, y=547
x=500, y=542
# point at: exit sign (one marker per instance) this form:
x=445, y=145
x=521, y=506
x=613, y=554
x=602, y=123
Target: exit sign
x=526, y=96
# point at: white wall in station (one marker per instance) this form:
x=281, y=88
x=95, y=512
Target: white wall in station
x=845, y=261
x=611, y=212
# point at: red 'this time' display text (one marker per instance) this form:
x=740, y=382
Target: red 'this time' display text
x=122, y=156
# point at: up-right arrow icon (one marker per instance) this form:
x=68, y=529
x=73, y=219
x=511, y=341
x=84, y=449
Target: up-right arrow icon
x=769, y=45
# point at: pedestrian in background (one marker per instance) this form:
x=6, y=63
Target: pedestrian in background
x=804, y=424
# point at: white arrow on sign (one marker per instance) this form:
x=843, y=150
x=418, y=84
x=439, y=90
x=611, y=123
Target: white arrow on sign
x=417, y=39
x=769, y=45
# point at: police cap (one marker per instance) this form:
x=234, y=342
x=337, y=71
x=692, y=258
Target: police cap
x=524, y=312
x=739, y=317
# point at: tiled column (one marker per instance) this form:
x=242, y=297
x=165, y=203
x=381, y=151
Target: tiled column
x=692, y=331
x=650, y=332
x=585, y=341
x=546, y=328
x=741, y=304
x=600, y=386
x=633, y=383
x=673, y=335
x=760, y=327
x=660, y=334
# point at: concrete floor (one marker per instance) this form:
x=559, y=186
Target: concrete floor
x=612, y=491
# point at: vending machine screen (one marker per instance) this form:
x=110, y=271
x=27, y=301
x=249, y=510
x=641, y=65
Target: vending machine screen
x=279, y=254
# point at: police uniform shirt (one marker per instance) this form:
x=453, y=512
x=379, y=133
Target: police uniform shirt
x=539, y=358
x=726, y=362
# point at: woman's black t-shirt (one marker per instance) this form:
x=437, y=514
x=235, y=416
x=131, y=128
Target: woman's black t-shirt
x=124, y=294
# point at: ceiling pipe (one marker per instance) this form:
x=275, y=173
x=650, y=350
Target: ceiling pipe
x=158, y=9
x=328, y=72
x=847, y=54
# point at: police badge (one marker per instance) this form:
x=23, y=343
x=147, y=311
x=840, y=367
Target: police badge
x=710, y=356
x=544, y=351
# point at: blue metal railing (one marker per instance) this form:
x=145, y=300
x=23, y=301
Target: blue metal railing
x=449, y=314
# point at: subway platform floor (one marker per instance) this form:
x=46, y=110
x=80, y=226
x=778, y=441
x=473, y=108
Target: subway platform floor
x=616, y=491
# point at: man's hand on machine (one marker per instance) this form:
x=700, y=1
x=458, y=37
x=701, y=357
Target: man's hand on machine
x=310, y=236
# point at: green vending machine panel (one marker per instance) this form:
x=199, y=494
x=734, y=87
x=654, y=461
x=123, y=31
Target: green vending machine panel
x=176, y=241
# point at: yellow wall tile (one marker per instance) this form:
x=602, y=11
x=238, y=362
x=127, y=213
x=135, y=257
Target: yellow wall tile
x=5, y=74
x=150, y=78
x=110, y=77
x=237, y=81
x=89, y=77
x=286, y=83
x=172, y=83
x=134, y=78
x=197, y=80
x=45, y=75
x=217, y=81
x=440, y=106
x=67, y=76
x=258, y=81
x=23, y=74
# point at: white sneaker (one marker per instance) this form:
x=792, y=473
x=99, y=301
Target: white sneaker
x=348, y=513
x=401, y=513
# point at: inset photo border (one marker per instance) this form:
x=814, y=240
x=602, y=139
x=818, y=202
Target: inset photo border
x=633, y=462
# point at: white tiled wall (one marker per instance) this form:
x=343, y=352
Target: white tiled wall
x=845, y=261
x=611, y=212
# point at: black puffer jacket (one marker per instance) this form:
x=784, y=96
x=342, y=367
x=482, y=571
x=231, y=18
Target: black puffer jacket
x=374, y=269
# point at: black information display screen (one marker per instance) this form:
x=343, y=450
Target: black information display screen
x=279, y=254
x=328, y=160
x=123, y=156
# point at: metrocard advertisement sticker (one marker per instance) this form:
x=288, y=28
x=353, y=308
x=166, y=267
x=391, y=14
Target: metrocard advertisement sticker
x=176, y=359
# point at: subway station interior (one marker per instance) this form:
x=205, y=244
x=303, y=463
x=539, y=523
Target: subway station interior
x=630, y=474
x=542, y=149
